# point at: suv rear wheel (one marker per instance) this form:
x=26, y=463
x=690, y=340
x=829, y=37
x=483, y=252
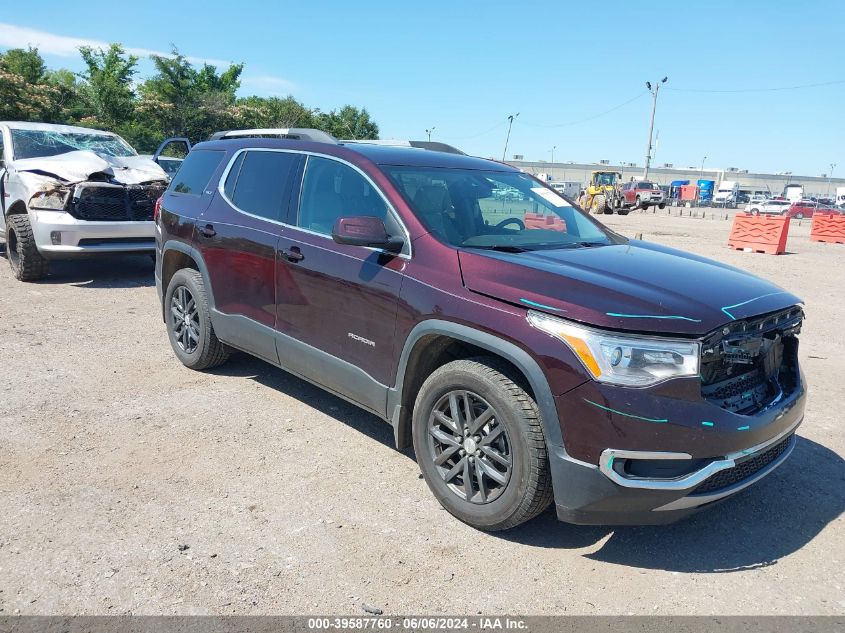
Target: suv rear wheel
x=26, y=262
x=479, y=443
x=189, y=322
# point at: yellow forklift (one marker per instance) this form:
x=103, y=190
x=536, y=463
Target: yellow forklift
x=603, y=194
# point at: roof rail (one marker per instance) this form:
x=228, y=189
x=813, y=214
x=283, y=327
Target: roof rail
x=434, y=146
x=293, y=133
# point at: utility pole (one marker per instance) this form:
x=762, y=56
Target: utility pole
x=701, y=171
x=553, y=153
x=511, y=117
x=829, y=178
x=653, y=90
x=429, y=131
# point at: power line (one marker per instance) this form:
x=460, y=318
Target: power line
x=487, y=131
x=589, y=118
x=737, y=90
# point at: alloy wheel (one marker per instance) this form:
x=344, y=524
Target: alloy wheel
x=184, y=319
x=469, y=446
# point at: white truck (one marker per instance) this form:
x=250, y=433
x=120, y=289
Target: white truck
x=840, y=197
x=793, y=193
x=70, y=191
x=568, y=188
x=726, y=195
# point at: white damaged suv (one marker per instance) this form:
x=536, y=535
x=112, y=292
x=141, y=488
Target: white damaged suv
x=70, y=191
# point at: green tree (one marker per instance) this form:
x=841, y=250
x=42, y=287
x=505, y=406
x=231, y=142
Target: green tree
x=272, y=112
x=348, y=122
x=180, y=100
x=27, y=63
x=108, y=84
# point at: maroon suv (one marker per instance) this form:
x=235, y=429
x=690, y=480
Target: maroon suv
x=527, y=352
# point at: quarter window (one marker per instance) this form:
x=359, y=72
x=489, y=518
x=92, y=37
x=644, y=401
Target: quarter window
x=332, y=190
x=195, y=172
x=259, y=183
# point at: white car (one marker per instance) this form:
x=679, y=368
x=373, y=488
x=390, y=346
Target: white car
x=768, y=207
x=68, y=191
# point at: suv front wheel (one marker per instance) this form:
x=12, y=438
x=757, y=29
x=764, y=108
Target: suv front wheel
x=188, y=321
x=479, y=443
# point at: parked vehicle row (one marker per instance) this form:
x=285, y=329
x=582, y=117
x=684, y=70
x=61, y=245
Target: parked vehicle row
x=528, y=354
x=799, y=209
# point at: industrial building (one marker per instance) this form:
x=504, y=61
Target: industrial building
x=750, y=182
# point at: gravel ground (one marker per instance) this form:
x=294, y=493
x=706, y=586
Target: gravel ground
x=129, y=484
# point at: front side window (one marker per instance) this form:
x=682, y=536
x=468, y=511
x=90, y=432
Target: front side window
x=332, y=190
x=259, y=182
x=44, y=143
x=494, y=210
x=195, y=171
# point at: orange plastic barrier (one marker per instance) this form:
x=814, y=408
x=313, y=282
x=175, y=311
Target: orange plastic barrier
x=759, y=233
x=828, y=228
x=540, y=221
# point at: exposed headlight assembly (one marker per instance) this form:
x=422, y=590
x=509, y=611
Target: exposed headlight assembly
x=49, y=200
x=617, y=359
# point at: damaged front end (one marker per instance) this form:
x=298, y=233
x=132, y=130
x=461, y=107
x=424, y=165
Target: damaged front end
x=101, y=200
x=752, y=364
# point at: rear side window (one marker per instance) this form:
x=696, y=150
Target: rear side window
x=259, y=182
x=196, y=171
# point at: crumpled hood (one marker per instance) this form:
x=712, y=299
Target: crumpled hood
x=79, y=165
x=638, y=286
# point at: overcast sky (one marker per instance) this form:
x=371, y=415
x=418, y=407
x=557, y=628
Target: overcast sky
x=575, y=74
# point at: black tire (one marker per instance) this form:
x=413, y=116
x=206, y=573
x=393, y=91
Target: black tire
x=26, y=262
x=624, y=211
x=528, y=489
x=662, y=205
x=204, y=350
x=755, y=211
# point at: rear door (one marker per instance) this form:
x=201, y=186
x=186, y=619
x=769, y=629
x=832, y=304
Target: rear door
x=237, y=235
x=336, y=303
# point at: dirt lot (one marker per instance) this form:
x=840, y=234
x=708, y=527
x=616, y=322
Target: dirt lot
x=129, y=484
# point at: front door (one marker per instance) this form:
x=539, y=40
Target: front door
x=336, y=303
x=238, y=235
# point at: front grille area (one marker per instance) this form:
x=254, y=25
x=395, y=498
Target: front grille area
x=115, y=203
x=751, y=364
x=743, y=470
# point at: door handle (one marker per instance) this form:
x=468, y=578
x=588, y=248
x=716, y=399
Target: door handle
x=208, y=231
x=292, y=255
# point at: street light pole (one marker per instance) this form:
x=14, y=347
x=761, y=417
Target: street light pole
x=829, y=178
x=553, y=154
x=701, y=171
x=511, y=117
x=653, y=90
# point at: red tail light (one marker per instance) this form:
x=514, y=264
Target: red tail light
x=157, y=209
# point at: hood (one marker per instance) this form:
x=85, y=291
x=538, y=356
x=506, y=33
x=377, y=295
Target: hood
x=80, y=165
x=636, y=286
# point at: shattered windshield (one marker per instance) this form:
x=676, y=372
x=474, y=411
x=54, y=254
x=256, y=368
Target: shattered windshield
x=44, y=143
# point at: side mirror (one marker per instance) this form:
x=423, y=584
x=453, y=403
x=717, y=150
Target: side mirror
x=365, y=231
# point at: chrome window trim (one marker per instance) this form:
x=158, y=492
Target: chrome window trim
x=307, y=153
x=688, y=481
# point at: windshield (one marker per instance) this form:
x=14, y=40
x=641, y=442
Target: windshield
x=605, y=179
x=647, y=185
x=494, y=210
x=43, y=143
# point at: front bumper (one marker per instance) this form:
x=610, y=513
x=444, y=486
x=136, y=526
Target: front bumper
x=60, y=235
x=727, y=453
x=595, y=498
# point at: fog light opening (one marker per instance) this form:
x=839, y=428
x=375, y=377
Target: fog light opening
x=56, y=238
